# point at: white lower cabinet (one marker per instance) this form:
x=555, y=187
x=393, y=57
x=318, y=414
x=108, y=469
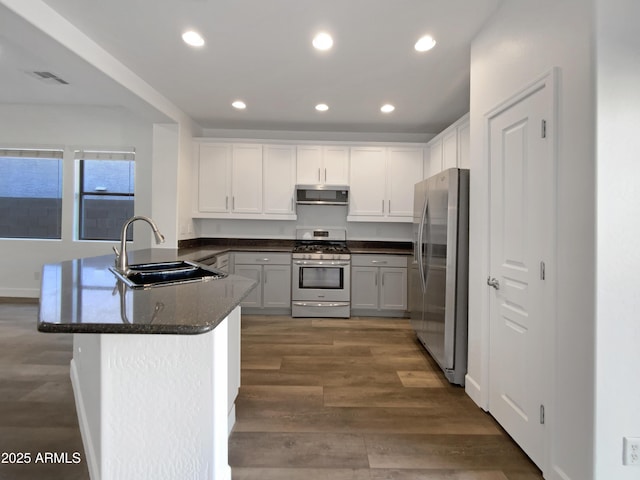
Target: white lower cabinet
x=379, y=285
x=272, y=271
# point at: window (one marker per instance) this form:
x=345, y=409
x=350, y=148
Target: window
x=106, y=193
x=30, y=193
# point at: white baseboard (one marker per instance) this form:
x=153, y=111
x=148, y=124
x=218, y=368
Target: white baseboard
x=89, y=448
x=558, y=473
x=20, y=292
x=231, y=419
x=472, y=388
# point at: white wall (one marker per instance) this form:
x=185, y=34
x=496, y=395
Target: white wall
x=186, y=165
x=522, y=41
x=31, y=125
x=618, y=218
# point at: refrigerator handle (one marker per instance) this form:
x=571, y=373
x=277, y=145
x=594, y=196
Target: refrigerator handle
x=423, y=273
x=427, y=221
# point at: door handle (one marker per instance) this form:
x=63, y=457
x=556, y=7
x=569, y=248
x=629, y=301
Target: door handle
x=493, y=282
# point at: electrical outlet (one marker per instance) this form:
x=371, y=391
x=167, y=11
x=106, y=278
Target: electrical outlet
x=631, y=448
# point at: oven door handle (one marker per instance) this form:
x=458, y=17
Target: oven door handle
x=321, y=263
x=321, y=304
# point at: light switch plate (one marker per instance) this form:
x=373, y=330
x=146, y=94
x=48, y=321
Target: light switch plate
x=631, y=451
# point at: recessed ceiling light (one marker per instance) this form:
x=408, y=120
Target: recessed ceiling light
x=387, y=108
x=193, y=38
x=322, y=41
x=425, y=43
x=239, y=104
x=322, y=107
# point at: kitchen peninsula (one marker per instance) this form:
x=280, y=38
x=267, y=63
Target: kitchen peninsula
x=155, y=372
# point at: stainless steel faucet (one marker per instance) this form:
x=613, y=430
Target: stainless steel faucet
x=122, y=261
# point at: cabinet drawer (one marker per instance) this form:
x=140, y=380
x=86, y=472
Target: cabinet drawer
x=379, y=261
x=262, y=258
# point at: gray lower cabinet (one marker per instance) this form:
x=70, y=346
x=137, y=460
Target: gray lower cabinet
x=222, y=262
x=272, y=271
x=379, y=285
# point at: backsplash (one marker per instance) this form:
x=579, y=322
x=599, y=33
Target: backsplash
x=308, y=216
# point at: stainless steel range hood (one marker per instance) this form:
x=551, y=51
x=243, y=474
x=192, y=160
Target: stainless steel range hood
x=322, y=194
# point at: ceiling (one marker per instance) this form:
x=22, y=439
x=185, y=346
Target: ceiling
x=260, y=51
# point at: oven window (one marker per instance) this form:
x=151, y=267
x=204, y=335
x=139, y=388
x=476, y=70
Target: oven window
x=322, y=277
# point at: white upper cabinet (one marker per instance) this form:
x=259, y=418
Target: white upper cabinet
x=404, y=170
x=322, y=164
x=450, y=149
x=214, y=177
x=367, y=193
x=255, y=181
x=336, y=165
x=382, y=181
x=229, y=178
x=279, y=179
x=233, y=181
x=435, y=158
x=246, y=179
x=464, y=152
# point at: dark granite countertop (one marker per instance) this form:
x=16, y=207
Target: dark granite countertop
x=199, y=249
x=83, y=296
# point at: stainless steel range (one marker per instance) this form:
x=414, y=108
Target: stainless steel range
x=321, y=283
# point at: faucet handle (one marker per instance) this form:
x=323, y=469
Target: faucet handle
x=117, y=252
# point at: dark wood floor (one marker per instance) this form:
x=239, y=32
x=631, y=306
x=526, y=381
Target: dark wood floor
x=37, y=409
x=321, y=399
x=358, y=399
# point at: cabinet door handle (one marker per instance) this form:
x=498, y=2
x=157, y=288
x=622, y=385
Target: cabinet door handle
x=292, y=204
x=233, y=203
x=378, y=261
x=263, y=260
x=226, y=202
x=382, y=206
x=382, y=278
x=325, y=175
x=318, y=174
x=389, y=209
x=376, y=279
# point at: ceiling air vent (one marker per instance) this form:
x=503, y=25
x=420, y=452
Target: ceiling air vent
x=49, y=77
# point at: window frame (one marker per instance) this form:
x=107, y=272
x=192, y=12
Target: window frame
x=40, y=153
x=96, y=155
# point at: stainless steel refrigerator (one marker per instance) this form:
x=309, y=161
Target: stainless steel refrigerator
x=439, y=271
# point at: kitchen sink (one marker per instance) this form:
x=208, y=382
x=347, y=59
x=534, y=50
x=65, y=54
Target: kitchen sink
x=161, y=274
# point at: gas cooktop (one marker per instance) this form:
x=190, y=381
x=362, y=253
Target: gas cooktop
x=321, y=248
x=321, y=244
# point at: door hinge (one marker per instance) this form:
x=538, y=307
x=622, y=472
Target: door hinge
x=541, y=414
x=543, y=271
x=543, y=129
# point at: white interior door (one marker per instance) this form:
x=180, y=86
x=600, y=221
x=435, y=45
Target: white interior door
x=521, y=238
